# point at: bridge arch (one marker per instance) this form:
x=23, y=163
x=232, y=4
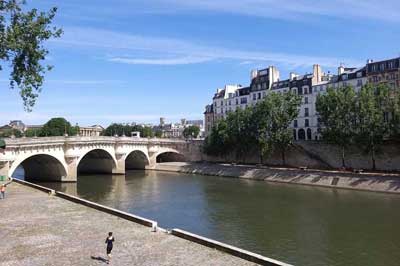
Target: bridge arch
x=96, y=161
x=41, y=167
x=136, y=159
x=169, y=155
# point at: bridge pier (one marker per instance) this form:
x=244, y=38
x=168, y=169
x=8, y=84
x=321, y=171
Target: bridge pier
x=119, y=169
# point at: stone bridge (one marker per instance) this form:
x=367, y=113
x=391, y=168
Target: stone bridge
x=62, y=158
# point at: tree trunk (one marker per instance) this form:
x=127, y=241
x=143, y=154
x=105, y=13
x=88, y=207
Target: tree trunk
x=283, y=157
x=343, y=162
x=373, y=159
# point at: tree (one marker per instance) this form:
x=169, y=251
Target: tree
x=372, y=123
x=240, y=137
x=58, y=127
x=217, y=142
x=284, y=109
x=191, y=132
x=22, y=37
x=337, y=111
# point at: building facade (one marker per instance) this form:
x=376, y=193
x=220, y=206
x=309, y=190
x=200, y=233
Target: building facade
x=307, y=125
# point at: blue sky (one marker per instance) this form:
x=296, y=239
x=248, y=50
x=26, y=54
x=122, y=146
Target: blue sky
x=137, y=60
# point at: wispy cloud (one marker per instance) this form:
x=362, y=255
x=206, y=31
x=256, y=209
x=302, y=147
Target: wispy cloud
x=384, y=10
x=129, y=49
x=161, y=61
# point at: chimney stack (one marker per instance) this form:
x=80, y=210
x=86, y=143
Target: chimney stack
x=292, y=75
x=340, y=69
x=317, y=74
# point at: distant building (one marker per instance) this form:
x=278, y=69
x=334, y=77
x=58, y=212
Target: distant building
x=307, y=125
x=92, y=131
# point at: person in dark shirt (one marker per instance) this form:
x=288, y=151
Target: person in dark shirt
x=109, y=241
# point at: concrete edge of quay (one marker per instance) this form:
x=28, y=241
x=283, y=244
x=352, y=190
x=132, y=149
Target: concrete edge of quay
x=237, y=252
x=315, y=178
x=234, y=251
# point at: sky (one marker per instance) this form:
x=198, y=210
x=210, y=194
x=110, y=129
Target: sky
x=138, y=60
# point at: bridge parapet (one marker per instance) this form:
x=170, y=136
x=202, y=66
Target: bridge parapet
x=69, y=151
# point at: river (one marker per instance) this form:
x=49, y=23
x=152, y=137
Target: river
x=304, y=226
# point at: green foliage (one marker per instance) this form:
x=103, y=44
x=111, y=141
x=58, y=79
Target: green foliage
x=372, y=127
x=365, y=118
x=124, y=129
x=265, y=126
x=32, y=133
x=11, y=133
x=191, y=132
x=273, y=117
x=337, y=110
x=22, y=35
x=217, y=143
x=58, y=127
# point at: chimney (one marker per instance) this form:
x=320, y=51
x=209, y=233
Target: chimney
x=274, y=74
x=292, y=75
x=254, y=74
x=340, y=69
x=317, y=74
x=369, y=61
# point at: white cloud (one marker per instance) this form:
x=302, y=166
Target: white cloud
x=384, y=10
x=161, y=61
x=129, y=49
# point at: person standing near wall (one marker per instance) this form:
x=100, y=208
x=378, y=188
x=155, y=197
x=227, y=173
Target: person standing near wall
x=3, y=191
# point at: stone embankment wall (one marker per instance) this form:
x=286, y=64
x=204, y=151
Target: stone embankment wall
x=321, y=155
x=388, y=183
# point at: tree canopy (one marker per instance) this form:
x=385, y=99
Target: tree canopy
x=191, y=132
x=22, y=37
x=265, y=125
x=125, y=129
x=58, y=127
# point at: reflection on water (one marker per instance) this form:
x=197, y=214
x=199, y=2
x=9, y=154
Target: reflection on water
x=305, y=226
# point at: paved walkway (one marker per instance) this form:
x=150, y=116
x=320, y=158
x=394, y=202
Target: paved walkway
x=37, y=229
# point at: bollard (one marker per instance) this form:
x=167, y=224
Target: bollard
x=154, y=227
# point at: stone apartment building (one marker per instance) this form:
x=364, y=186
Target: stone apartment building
x=307, y=125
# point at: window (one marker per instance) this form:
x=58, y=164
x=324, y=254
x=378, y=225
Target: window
x=374, y=68
x=359, y=83
x=264, y=94
x=306, y=123
x=237, y=101
x=345, y=77
x=222, y=103
x=243, y=100
x=305, y=90
x=382, y=67
x=259, y=95
x=230, y=102
x=305, y=100
x=359, y=74
x=390, y=65
x=306, y=114
x=254, y=96
x=295, y=123
x=259, y=86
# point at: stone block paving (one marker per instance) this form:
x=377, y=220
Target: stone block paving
x=37, y=229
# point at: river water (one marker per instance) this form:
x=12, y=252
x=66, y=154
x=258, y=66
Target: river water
x=304, y=226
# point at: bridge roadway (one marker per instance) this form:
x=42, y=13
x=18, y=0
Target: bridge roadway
x=62, y=158
x=37, y=229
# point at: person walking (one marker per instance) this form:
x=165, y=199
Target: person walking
x=109, y=241
x=3, y=191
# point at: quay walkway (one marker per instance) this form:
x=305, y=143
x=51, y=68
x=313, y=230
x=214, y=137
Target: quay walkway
x=38, y=229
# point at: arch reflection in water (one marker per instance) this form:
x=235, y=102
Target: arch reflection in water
x=170, y=157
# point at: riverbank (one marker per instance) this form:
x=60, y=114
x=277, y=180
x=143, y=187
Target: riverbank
x=388, y=183
x=42, y=229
